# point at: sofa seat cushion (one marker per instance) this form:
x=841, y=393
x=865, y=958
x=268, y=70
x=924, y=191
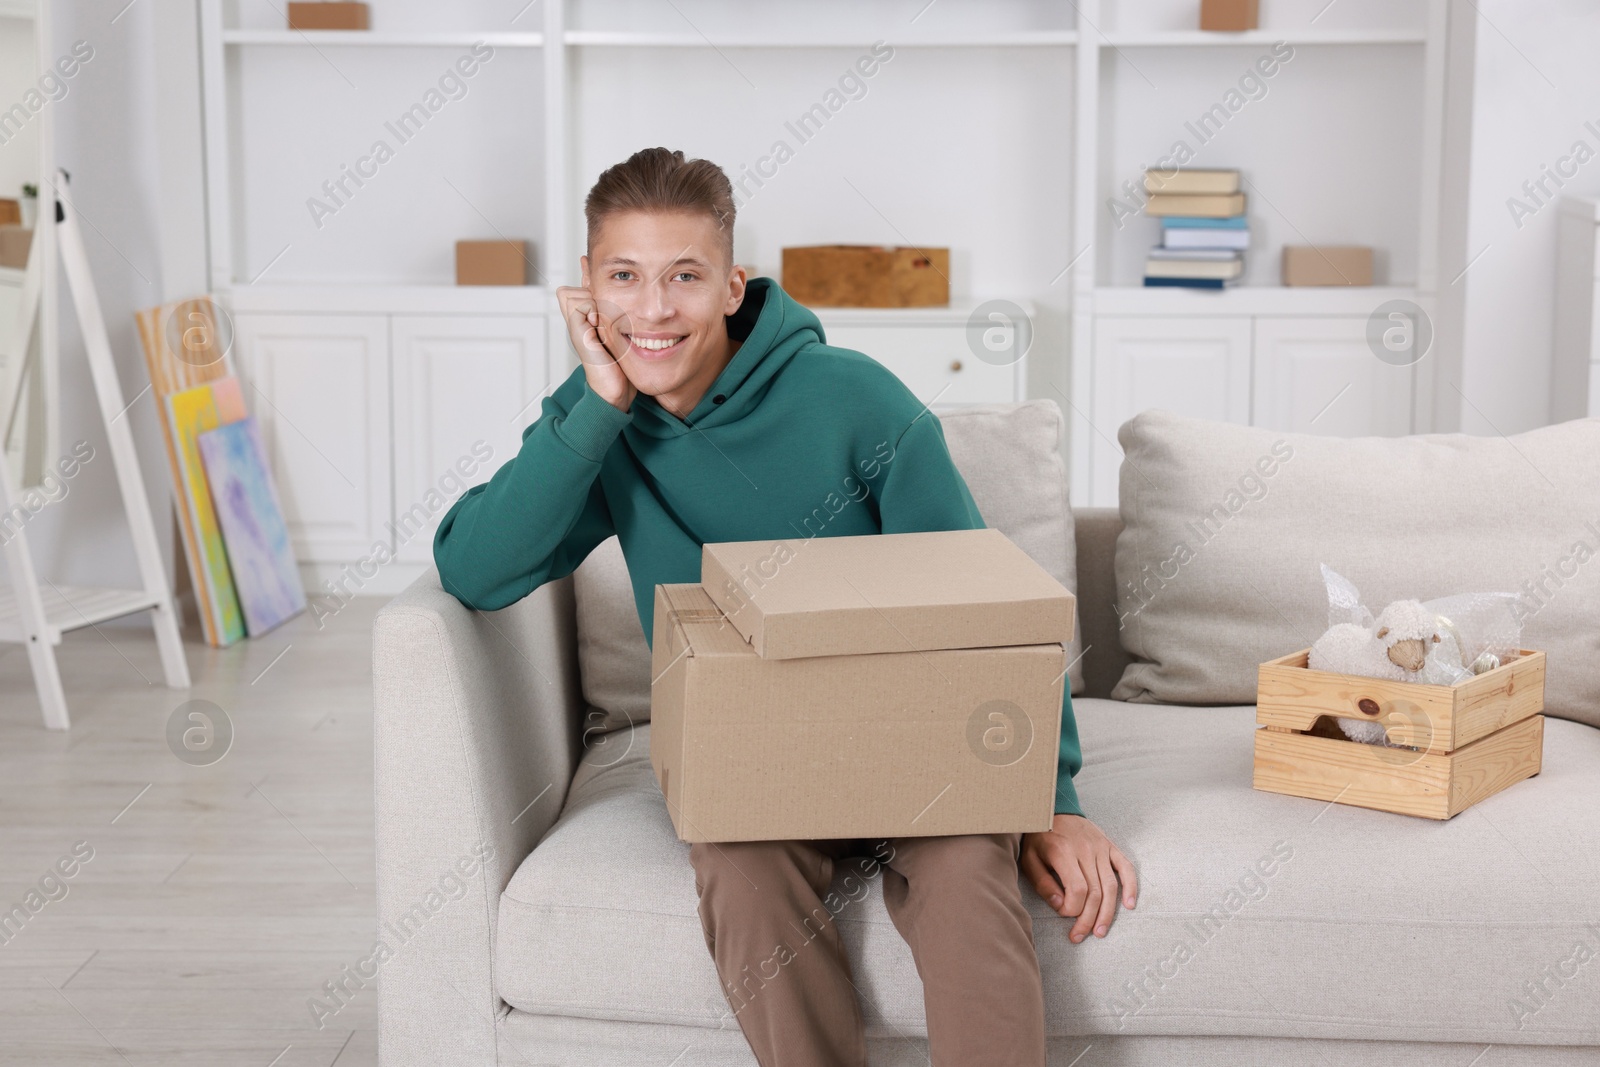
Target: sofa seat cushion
x=1258, y=915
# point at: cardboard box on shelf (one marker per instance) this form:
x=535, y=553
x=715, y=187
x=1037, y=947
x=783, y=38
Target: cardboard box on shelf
x=14, y=243
x=492, y=262
x=327, y=15
x=888, y=739
x=1229, y=16
x=1327, y=265
x=867, y=276
x=10, y=212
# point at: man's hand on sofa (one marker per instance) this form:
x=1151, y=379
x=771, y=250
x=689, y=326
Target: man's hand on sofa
x=1075, y=856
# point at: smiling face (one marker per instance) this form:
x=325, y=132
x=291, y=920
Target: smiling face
x=663, y=284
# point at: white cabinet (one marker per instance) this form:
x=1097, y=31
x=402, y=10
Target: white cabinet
x=464, y=389
x=1268, y=366
x=1319, y=375
x=319, y=386
x=1198, y=367
x=935, y=354
x=374, y=424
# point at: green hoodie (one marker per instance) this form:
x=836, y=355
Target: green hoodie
x=795, y=438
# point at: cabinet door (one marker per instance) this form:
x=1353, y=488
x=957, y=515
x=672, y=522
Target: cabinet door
x=1192, y=366
x=1320, y=376
x=319, y=387
x=464, y=390
x=933, y=361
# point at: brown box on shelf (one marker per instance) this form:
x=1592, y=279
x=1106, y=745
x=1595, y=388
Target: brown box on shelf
x=491, y=262
x=1460, y=743
x=327, y=15
x=1327, y=265
x=14, y=243
x=10, y=212
x=867, y=276
x=862, y=707
x=1229, y=16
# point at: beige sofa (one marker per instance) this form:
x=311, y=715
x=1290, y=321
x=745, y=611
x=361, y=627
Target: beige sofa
x=538, y=908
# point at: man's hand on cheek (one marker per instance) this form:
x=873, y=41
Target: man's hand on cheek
x=593, y=325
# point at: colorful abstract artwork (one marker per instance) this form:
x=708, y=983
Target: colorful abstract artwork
x=193, y=412
x=257, y=539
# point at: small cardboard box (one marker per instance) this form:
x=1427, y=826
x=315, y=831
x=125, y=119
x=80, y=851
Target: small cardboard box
x=1327, y=265
x=1229, y=16
x=833, y=596
x=329, y=15
x=491, y=263
x=10, y=212
x=14, y=243
x=867, y=276
x=891, y=744
x=1464, y=742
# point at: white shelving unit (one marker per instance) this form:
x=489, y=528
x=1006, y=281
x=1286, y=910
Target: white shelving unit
x=1352, y=156
x=1000, y=129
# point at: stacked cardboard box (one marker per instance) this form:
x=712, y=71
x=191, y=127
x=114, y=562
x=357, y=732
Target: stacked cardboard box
x=876, y=686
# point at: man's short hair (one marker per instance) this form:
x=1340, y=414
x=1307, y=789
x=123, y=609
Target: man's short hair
x=659, y=179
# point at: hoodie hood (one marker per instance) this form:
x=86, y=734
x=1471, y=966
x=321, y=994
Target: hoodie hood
x=773, y=328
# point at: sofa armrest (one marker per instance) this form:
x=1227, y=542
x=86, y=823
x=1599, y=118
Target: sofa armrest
x=477, y=721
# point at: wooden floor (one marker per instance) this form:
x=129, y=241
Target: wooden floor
x=219, y=898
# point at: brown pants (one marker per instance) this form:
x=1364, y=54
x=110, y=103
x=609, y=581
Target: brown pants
x=768, y=914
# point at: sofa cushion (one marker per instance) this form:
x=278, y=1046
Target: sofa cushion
x=613, y=656
x=1224, y=526
x=1258, y=915
x=1010, y=458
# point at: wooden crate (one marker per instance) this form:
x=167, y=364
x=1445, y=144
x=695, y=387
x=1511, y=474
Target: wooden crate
x=867, y=276
x=1465, y=742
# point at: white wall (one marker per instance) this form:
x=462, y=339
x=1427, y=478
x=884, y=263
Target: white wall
x=1534, y=84
x=145, y=241
x=16, y=78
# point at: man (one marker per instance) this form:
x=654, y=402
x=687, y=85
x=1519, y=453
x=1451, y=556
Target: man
x=709, y=409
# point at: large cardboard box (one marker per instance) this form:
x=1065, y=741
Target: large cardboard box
x=884, y=739
x=867, y=276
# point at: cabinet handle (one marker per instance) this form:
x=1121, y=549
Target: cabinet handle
x=955, y=364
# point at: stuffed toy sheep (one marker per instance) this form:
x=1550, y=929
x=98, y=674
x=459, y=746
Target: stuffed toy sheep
x=1412, y=641
x=1408, y=631
x=1396, y=648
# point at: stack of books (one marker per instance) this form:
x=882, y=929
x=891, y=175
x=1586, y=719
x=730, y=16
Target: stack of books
x=1203, y=228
